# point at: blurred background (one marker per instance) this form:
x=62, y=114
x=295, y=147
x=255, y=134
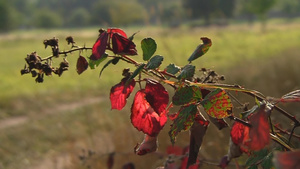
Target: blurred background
x=67, y=122
x=31, y=14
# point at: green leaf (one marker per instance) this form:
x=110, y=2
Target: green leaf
x=249, y=112
x=132, y=36
x=154, y=62
x=184, y=121
x=149, y=47
x=187, y=94
x=201, y=49
x=256, y=157
x=113, y=61
x=253, y=167
x=95, y=63
x=268, y=161
x=217, y=104
x=135, y=73
x=172, y=69
x=262, y=157
x=188, y=71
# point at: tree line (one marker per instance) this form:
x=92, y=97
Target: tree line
x=16, y=14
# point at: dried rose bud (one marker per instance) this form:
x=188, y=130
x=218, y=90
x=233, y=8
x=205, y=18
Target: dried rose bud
x=70, y=40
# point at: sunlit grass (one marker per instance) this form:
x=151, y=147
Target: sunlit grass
x=231, y=46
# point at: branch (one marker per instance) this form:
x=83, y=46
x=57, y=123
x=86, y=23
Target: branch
x=291, y=134
x=286, y=132
x=66, y=52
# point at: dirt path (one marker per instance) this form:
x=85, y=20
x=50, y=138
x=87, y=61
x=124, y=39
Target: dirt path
x=59, y=160
x=17, y=121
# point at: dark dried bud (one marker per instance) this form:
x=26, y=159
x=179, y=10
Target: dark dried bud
x=33, y=73
x=213, y=73
x=203, y=69
x=198, y=80
x=126, y=72
x=57, y=71
x=70, y=40
x=51, y=42
x=47, y=69
x=60, y=71
x=31, y=65
x=38, y=65
x=222, y=77
x=101, y=30
x=40, y=78
x=55, y=51
x=64, y=65
x=32, y=58
x=24, y=71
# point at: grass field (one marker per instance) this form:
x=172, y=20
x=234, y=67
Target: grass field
x=47, y=125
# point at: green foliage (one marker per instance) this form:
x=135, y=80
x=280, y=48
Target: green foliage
x=172, y=69
x=227, y=7
x=208, y=9
x=187, y=94
x=136, y=72
x=80, y=17
x=263, y=157
x=113, y=61
x=45, y=18
x=101, y=13
x=155, y=62
x=149, y=47
x=95, y=63
x=201, y=8
x=187, y=72
x=184, y=121
x=125, y=13
x=290, y=7
x=118, y=13
x=8, y=16
x=78, y=13
x=217, y=104
x=260, y=7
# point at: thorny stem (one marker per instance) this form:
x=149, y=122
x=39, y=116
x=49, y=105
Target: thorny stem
x=209, y=162
x=285, y=132
x=129, y=59
x=291, y=117
x=66, y=52
x=234, y=98
x=291, y=134
x=207, y=77
x=280, y=142
x=261, y=98
x=240, y=121
x=168, y=74
x=271, y=125
x=140, y=76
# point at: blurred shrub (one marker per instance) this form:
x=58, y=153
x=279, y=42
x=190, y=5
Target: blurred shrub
x=79, y=17
x=8, y=17
x=45, y=18
x=172, y=14
x=118, y=13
